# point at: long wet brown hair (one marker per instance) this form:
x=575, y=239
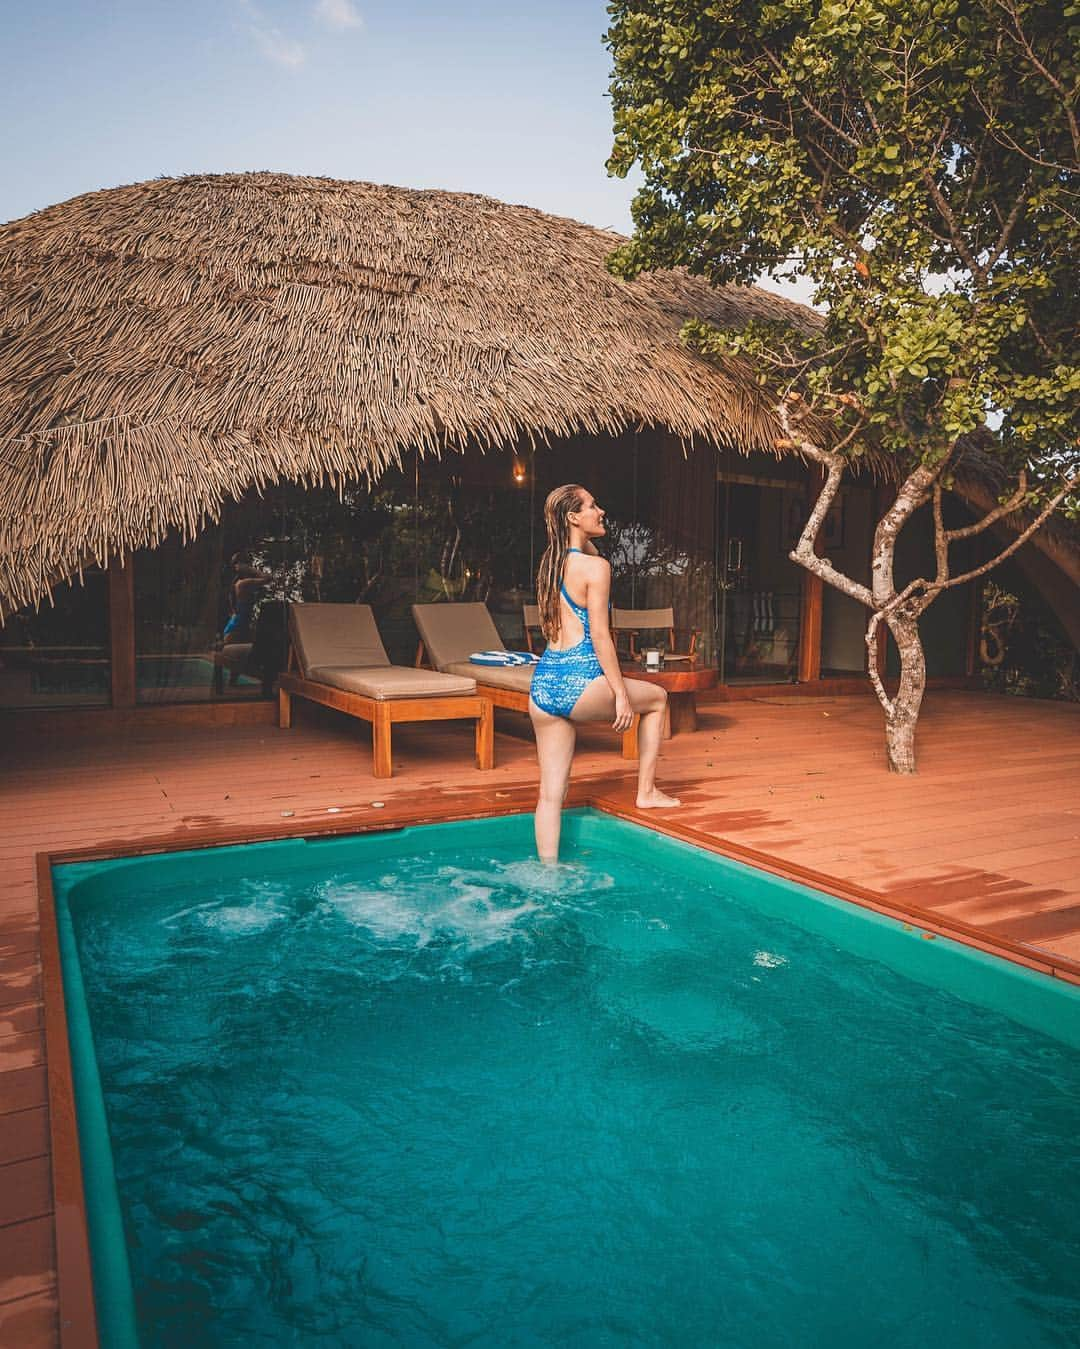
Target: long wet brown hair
x=557, y=509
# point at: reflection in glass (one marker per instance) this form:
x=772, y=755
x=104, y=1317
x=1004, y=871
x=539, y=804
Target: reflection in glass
x=707, y=534
x=58, y=654
x=761, y=506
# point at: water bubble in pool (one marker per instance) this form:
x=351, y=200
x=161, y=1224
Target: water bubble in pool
x=456, y=909
x=561, y=881
x=237, y=920
x=249, y=908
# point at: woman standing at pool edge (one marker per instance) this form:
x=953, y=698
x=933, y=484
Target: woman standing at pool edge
x=578, y=678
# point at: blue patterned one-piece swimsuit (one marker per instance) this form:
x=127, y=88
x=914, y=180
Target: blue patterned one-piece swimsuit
x=561, y=676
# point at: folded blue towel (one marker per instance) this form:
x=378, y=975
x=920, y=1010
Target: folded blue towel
x=503, y=658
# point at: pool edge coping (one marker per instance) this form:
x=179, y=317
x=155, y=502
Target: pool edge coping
x=76, y=1307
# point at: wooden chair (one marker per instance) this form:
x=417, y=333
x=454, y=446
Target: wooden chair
x=530, y=614
x=450, y=633
x=336, y=658
x=631, y=623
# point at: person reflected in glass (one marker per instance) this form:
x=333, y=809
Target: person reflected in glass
x=578, y=679
x=247, y=586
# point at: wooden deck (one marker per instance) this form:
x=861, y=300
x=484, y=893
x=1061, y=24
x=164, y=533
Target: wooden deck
x=988, y=835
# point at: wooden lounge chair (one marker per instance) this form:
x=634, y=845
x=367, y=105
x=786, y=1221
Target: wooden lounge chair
x=336, y=658
x=450, y=633
x=530, y=617
x=631, y=622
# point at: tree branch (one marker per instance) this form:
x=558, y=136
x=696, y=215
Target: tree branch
x=1052, y=80
x=945, y=211
x=1022, y=538
x=803, y=553
x=941, y=537
x=1006, y=508
x=1007, y=228
x=845, y=136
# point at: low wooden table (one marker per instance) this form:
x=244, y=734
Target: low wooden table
x=683, y=679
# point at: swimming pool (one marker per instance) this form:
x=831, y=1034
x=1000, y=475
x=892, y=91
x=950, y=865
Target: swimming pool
x=408, y=1088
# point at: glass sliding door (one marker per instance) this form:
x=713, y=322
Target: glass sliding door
x=759, y=589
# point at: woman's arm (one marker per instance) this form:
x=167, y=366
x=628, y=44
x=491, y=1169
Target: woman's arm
x=597, y=594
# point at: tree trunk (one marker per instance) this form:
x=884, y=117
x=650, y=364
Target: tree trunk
x=901, y=721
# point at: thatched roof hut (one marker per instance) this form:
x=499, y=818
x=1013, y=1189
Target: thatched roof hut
x=168, y=345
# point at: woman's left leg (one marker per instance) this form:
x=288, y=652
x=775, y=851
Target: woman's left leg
x=555, y=737
x=597, y=703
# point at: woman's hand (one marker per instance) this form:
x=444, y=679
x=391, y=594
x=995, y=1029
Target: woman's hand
x=624, y=713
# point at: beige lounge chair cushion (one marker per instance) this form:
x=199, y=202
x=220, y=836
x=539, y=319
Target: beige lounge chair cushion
x=326, y=636
x=643, y=618
x=452, y=632
x=517, y=677
x=384, y=682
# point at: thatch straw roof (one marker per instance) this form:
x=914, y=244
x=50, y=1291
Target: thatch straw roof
x=170, y=344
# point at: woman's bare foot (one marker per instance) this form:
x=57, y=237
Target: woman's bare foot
x=656, y=799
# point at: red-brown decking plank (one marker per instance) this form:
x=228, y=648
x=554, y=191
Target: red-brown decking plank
x=1041, y=927
x=20, y=979
x=25, y=1189
x=1067, y=946
x=21, y=1089
x=25, y=1134
x=22, y=1050
x=989, y=849
x=22, y=1017
x=29, y=1322
x=19, y=931
x=804, y=781
x=27, y=1261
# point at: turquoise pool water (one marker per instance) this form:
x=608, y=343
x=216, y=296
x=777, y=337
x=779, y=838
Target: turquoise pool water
x=413, y=1090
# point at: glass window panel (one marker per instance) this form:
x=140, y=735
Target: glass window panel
x=478, y=534
x=361, y=545
x=206, y=624
x=58, y=654
x=761, y=505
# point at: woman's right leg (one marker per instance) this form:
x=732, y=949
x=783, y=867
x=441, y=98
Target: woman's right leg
x=555, y=737
x=597, y=703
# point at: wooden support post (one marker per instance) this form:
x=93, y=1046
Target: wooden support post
x=284, y=709
x=122, y=631
x=682, y=713
x=630, y=740
x=810, y=628
x=975, y=608
x=812, y=602
x=381, y=734
x=485, y=736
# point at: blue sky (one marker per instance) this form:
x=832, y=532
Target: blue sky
x=504, y=97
